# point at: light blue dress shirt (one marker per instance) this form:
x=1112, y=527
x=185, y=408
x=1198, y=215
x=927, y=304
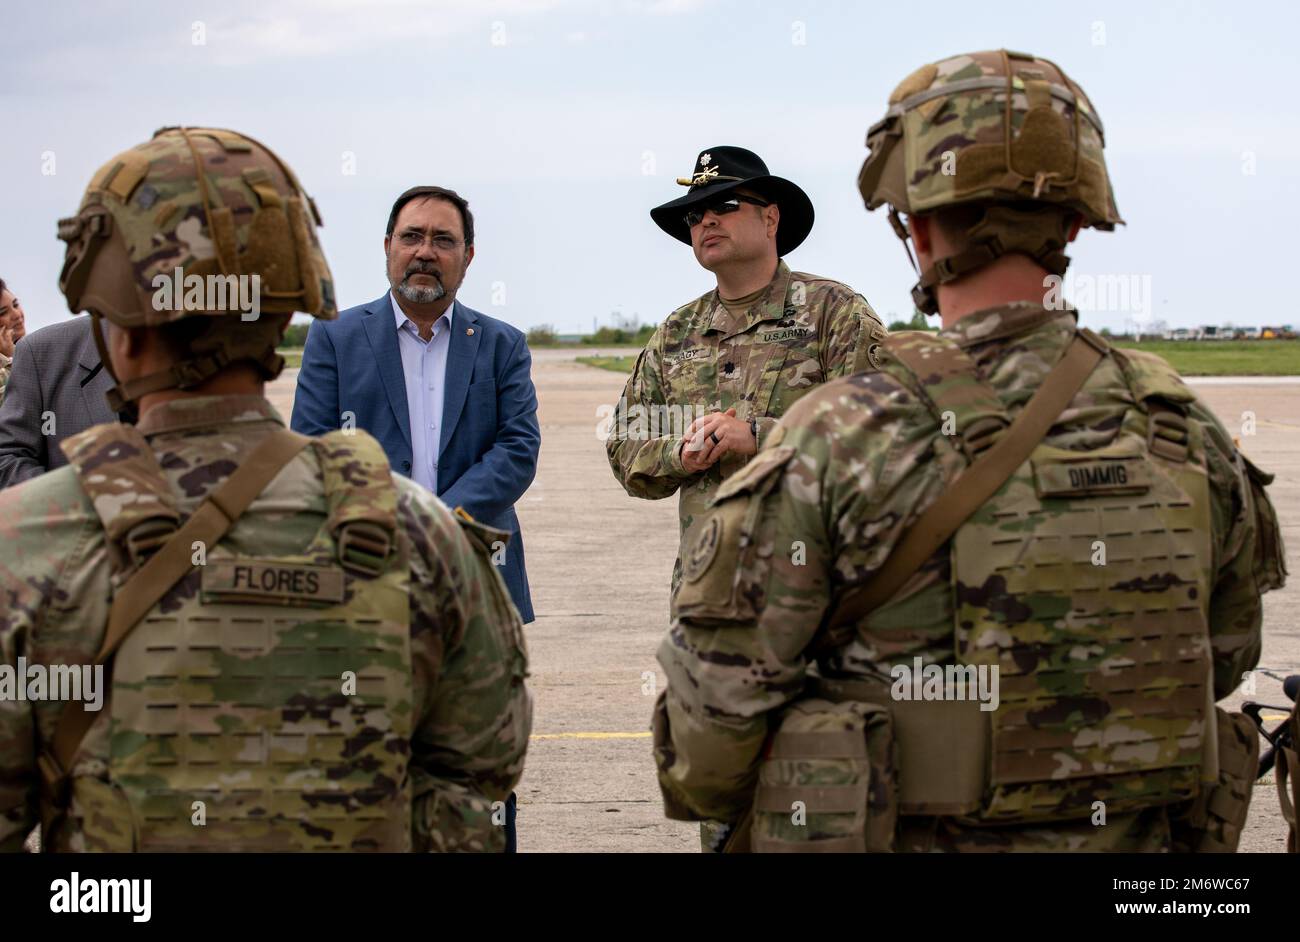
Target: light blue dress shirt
x=424, y=364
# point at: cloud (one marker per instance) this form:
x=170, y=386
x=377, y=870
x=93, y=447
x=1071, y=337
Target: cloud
x=665, y=7
x=303, y=30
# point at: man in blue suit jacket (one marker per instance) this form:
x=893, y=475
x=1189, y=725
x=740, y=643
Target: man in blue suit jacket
x=446, y=390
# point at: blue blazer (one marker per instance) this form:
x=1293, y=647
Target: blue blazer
x=487, y=452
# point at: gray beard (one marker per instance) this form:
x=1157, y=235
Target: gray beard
x=412, y=293
x=418, y=294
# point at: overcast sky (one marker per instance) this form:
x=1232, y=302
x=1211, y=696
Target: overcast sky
x=564, y=121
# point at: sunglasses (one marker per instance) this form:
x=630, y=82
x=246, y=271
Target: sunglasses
x=721, y=207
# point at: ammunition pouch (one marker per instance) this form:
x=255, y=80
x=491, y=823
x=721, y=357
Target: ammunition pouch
x=942, y=747
x=1212, y=822
x=1270, y=554
x=828, y=783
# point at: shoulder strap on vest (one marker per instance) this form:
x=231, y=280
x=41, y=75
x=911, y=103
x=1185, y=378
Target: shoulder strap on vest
x=118, y=471
x=946, y=378
x=1160, y=393
x=970, y=490
x=210, y=521
x=360, y=497
x=480, y=534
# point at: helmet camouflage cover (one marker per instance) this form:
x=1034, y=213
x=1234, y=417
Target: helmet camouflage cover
x=206, y=201
x=202, y=202
x=991, y=128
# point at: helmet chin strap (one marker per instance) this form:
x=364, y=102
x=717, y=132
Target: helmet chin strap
x=128, y=411
x=1001, y=231
x=923, y=296
x=214, y=350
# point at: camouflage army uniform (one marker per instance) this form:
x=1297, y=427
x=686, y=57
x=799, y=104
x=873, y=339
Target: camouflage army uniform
x=822, y=506
x=330, y=661
x=800, y=333
x=470, y=709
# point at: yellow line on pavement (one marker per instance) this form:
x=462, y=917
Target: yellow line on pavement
x=645, y=735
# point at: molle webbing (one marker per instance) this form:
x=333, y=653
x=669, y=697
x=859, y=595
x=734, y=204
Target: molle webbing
x=208, y=524
x=970, y=490
x=1102, y=673
x=1091, y=606
x=825, y=784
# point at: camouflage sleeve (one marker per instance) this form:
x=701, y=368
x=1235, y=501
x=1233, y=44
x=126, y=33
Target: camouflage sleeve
x=778, y=545
x=1236, y=609
x=851, y=329
x=645, y=466
x=468, y=652
x=6, y=365
x=754, y=589
x=44, y=523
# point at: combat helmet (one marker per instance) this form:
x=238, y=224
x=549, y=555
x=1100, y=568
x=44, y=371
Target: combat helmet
x=197, y=222
x=1006, y=130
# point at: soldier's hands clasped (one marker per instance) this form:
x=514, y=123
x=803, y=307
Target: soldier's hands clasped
x=714, y=435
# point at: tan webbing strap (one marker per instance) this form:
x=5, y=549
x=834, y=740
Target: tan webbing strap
x=844, y=744
x=207, y=525
x=973, y=487
x=816, y=799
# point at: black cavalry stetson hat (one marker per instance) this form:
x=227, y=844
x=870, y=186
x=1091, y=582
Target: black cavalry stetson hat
x=719, y=170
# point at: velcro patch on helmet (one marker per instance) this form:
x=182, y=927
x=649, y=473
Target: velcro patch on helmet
x=918, y=81
x=230, y=141
x=121, y=175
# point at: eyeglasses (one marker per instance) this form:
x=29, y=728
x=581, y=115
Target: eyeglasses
x=441, y=243
x=728, y=204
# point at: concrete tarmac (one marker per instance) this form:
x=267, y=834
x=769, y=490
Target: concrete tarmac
x=599, y=563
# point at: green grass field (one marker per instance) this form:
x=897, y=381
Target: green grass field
x=1225, y=357
x=1189, y=357
x=617, y=364
x=292, y=356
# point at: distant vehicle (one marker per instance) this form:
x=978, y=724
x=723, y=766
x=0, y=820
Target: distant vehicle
x=1218, y=332
x=1250, y=333
x=1185, y=333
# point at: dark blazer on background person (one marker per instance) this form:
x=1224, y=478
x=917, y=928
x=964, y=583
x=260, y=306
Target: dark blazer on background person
x=489, y=436
x=56, y=372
